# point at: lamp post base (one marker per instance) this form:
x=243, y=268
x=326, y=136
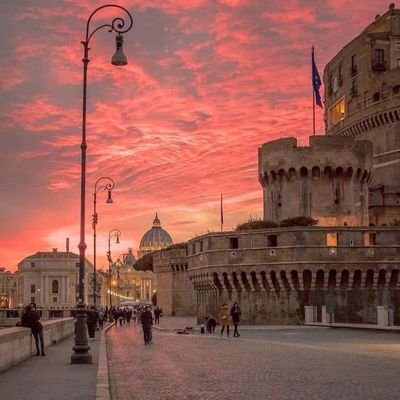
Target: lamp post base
x=81, y=348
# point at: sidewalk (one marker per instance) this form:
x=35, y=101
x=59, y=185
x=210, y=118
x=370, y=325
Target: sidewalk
x=52, y=377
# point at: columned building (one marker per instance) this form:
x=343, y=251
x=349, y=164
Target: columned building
x=129, y=286
x=50, y=279
x=8, y=287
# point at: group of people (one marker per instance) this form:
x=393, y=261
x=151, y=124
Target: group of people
x=226, y=315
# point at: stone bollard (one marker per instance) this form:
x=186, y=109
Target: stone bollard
x=309, y=314
x=383, y=316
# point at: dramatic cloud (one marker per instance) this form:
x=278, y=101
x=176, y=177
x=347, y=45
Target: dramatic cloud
x=208, y=82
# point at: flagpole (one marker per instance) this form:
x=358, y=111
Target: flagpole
x=313, y=91
x=222, y=216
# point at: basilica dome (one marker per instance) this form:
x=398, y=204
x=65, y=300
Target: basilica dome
x=154, y=239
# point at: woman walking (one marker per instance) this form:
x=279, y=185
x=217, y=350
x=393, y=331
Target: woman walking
x=236, y=313
x=224, y=319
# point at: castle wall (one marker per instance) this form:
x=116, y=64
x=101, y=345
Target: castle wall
x=274, y=283
x=327, y=181
x=175, y=294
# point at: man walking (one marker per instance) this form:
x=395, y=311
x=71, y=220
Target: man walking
x=147, y=321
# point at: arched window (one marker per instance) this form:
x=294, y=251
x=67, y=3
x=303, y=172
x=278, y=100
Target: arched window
x=54, y=286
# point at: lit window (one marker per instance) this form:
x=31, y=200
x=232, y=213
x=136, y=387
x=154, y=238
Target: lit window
x=369, y=238
x=337, y=113
x=331, y=239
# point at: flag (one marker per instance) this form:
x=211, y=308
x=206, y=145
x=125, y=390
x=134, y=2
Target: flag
x=316, y=81
x=222, y=214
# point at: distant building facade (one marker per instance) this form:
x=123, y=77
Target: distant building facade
x=50, y=279
x=8, y=286
x=362, y=100
x=154, y=239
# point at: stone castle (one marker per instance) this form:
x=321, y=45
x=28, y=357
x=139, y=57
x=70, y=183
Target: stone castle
x=348, y=180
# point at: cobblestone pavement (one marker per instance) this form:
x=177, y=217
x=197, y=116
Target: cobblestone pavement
x=284, y=364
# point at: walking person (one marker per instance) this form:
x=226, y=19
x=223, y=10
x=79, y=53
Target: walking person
x=147, y=321
x=30, y=319
x=236, y=312
x=92, y=317
x=157, y=313
x=224, y=315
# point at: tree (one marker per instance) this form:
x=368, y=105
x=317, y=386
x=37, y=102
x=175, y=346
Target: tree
x=299, y=221
x=145, y=263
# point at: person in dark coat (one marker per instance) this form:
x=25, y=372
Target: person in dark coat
x=30, y=319
x=92, y=317
x=157, y=313
x=147, y=321
x=236, y=313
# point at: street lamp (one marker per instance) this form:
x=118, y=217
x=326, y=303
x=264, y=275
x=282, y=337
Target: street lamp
x=81, y=348
x=103, y=183
x=115, y=233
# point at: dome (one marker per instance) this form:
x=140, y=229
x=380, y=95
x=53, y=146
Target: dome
x=154, y=239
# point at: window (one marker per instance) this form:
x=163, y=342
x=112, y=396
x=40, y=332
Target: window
x=33, y=289
x=337, y=112
x=378, y=61
x=353, y=65
x=32, y=300
x=369, y=238
x=33, y=265
x=194, y=248
x=340, y=77
x=54, y=286
x=331, y=239
x=234, y=243
x=397, y=45
x=54, y=299
x=353, y=91
x=379, y=56
x=201, y=247
x=272, y=240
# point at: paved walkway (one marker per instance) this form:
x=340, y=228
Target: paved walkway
x=301, y=363
x=52, y=377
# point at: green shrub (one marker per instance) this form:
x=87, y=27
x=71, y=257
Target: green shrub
x=256, y=223
x=145, y=263
x=299, y=221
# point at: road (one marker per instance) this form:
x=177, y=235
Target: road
x=285, y=364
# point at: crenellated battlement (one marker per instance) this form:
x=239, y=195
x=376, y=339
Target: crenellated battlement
x=328, y=180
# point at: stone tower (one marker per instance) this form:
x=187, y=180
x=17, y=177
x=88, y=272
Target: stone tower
x=327, y=181
x=362, y=100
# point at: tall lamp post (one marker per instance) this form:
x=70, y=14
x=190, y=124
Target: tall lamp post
x=81, y=348
x=103, y=183
x=115, y=233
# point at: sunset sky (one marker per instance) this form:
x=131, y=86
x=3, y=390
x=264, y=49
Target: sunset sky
x=208, y=81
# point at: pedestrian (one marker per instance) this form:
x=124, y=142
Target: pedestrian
x=210, y=324
x=157, y=313
x=92, y=317
x=30, y=319
x=224, y=319
x=120, y=314
x=134, y=315
x=236, y=312
x=102, y=317
x=128, y=316
x=147, y=322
